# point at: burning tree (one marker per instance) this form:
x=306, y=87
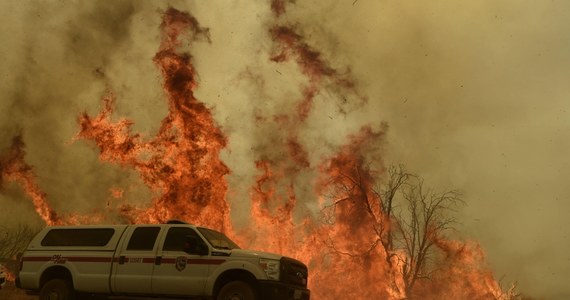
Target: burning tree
x=405, y=224
x=424, y=220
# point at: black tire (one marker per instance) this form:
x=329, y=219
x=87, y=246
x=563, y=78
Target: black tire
x=236, y=290
x=57, y=289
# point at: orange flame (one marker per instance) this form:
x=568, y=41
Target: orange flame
x=461, y=275
x=181, y=163
x=14, y=168
x=10, y=276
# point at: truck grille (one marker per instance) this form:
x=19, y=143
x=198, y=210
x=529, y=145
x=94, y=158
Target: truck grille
x=294, y=272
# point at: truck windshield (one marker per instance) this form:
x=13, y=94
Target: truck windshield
x=217, y=239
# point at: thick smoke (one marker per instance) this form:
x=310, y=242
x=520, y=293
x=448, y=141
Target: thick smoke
x=474, y=94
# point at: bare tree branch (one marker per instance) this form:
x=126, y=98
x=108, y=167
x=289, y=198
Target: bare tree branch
x=15, y=240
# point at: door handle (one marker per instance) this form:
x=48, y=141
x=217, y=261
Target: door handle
x=158, y=260
x=121, y=259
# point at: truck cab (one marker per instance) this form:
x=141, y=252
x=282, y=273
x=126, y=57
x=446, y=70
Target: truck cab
x=173, y=260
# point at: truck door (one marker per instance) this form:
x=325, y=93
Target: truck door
x=180, y=273
x=133, y=265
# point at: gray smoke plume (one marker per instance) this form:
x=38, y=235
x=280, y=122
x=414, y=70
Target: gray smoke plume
x=475, y=94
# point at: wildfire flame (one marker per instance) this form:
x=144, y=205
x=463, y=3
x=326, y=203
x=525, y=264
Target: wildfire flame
x=14, y=168
x=182, y=166
x=185, y=151
x=10, y=276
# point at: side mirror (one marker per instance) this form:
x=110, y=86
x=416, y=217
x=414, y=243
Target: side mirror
x=195, y=245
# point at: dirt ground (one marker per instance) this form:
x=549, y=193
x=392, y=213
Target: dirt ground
x=10, y=292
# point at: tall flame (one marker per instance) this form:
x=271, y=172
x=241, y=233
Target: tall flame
x=181, y=163
x=182, y=167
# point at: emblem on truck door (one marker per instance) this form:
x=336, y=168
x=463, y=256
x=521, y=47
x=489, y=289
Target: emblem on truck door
x=180, y=263
x=58, y=259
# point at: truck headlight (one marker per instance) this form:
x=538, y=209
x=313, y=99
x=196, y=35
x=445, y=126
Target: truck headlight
x=271, y=268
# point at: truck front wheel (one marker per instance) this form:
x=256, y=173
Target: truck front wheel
x=57, y=289
x=236, y=290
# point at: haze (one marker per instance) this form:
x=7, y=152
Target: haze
x=475, y=94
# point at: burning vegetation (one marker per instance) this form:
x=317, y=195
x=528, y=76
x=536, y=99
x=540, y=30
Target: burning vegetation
x=379, y=234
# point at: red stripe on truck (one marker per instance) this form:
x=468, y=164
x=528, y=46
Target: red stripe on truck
x=195, y=261
x=68, y=258
x=147, y=260
x=89, y=259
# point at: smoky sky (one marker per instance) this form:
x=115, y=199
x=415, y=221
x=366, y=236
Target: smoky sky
x=475, y=96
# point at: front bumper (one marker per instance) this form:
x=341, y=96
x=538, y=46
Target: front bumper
x=276, y=290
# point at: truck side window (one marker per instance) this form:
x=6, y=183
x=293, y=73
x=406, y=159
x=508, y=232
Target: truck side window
x=78, y=237
x=143, y=238
x=176, y=237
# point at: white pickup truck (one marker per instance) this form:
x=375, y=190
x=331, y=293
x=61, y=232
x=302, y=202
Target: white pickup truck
x=173, y=260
